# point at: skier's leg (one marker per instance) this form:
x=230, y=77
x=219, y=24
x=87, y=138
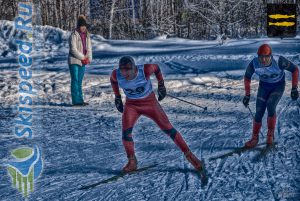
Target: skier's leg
x=80, y=78
x=74, y=83
x=157, y=114
x=261, y=104
x=129, y=118
x=272, y=102
x=260, y=110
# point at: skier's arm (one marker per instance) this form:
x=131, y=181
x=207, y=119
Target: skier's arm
x=247, y=78
x=149, y=69
x=285, y=64
x=115, y=86
x=154, y=68
x=114, y=83
x=295, y=76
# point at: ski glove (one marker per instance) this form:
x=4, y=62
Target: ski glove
x=246, y=100
x=162, y=91
x=119, y=103
x=294, y=94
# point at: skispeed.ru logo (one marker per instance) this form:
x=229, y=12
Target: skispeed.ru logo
x=27, y=165
x=27, y=168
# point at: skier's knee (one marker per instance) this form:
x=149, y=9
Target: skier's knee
x=258, y=118
x=127, y=135
x=261, y=99
x=271, y=112
x=260, y=111
x=171, y=132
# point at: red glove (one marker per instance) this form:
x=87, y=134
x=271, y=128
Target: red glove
x=85, y=61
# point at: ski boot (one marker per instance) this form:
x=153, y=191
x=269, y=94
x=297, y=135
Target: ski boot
x=193, y=160
x=131, y=166
x=271, y=128
x=198, y=166
x=255, y=135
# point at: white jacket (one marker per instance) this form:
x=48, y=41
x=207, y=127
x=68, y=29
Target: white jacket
x=76, y=48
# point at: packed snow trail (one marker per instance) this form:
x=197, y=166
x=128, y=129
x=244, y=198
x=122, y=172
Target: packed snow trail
x=85, y=145
x=82, y=145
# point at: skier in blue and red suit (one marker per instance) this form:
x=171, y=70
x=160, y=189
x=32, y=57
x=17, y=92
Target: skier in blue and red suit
x=140, y=100
x=271, y=87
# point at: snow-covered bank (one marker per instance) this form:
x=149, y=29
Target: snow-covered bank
x=176, y=56
x=82, y=145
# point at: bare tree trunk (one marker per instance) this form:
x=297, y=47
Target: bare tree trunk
x=55, y=13
x=46, y=12
x=37, y=12
x=74, y=7
x=133, y=12
x=111, y=18
x=174, y=15
x=59, y=13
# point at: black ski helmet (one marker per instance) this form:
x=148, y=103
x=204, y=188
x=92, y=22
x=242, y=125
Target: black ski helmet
x=125, y=60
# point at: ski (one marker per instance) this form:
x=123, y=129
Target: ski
x=267, y=149
x=203, y=175
x=116, y=177
x=238, y=151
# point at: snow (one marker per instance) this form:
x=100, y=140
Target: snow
x=82, y=145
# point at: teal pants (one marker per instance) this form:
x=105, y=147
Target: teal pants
x=77, y=73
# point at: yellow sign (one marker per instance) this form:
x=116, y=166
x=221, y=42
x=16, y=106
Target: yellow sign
x=282, y=24
x=279, y=16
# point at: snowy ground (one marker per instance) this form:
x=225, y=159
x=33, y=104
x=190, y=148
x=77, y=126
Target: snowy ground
x=82, y=145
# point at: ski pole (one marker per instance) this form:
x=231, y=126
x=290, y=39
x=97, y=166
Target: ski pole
x=205, y=108
x=253, y=118
x=250, y=111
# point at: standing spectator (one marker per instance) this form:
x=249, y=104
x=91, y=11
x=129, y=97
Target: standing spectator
x=80, y=55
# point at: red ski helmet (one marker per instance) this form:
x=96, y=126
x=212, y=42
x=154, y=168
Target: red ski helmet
x=265, y=50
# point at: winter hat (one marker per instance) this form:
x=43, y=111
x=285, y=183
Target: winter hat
x=81, y=21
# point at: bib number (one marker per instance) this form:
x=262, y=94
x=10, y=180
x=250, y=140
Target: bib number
x=265, y=76
x=136, y=91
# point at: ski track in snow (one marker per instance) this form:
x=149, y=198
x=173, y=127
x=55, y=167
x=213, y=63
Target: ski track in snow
x=85, y=146
x=82, y=145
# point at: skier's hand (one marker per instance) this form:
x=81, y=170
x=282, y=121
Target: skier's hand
x=119, y=103
x=85, y=61
x=246, y=100
x=162, y=91
x=294, y=94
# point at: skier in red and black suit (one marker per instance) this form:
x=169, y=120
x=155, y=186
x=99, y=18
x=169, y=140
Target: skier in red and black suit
x=271, y=87
x=140, y=100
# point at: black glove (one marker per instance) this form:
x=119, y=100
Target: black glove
x=246, y=100
x=162, y=92
x=294, y=94
x=119, y=103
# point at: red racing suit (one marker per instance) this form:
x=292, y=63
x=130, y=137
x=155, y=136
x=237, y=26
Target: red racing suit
x=147, y=106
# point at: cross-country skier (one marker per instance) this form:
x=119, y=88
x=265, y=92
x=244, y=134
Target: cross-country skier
x=80, y=55
x=271, y=87
x=140, y=100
